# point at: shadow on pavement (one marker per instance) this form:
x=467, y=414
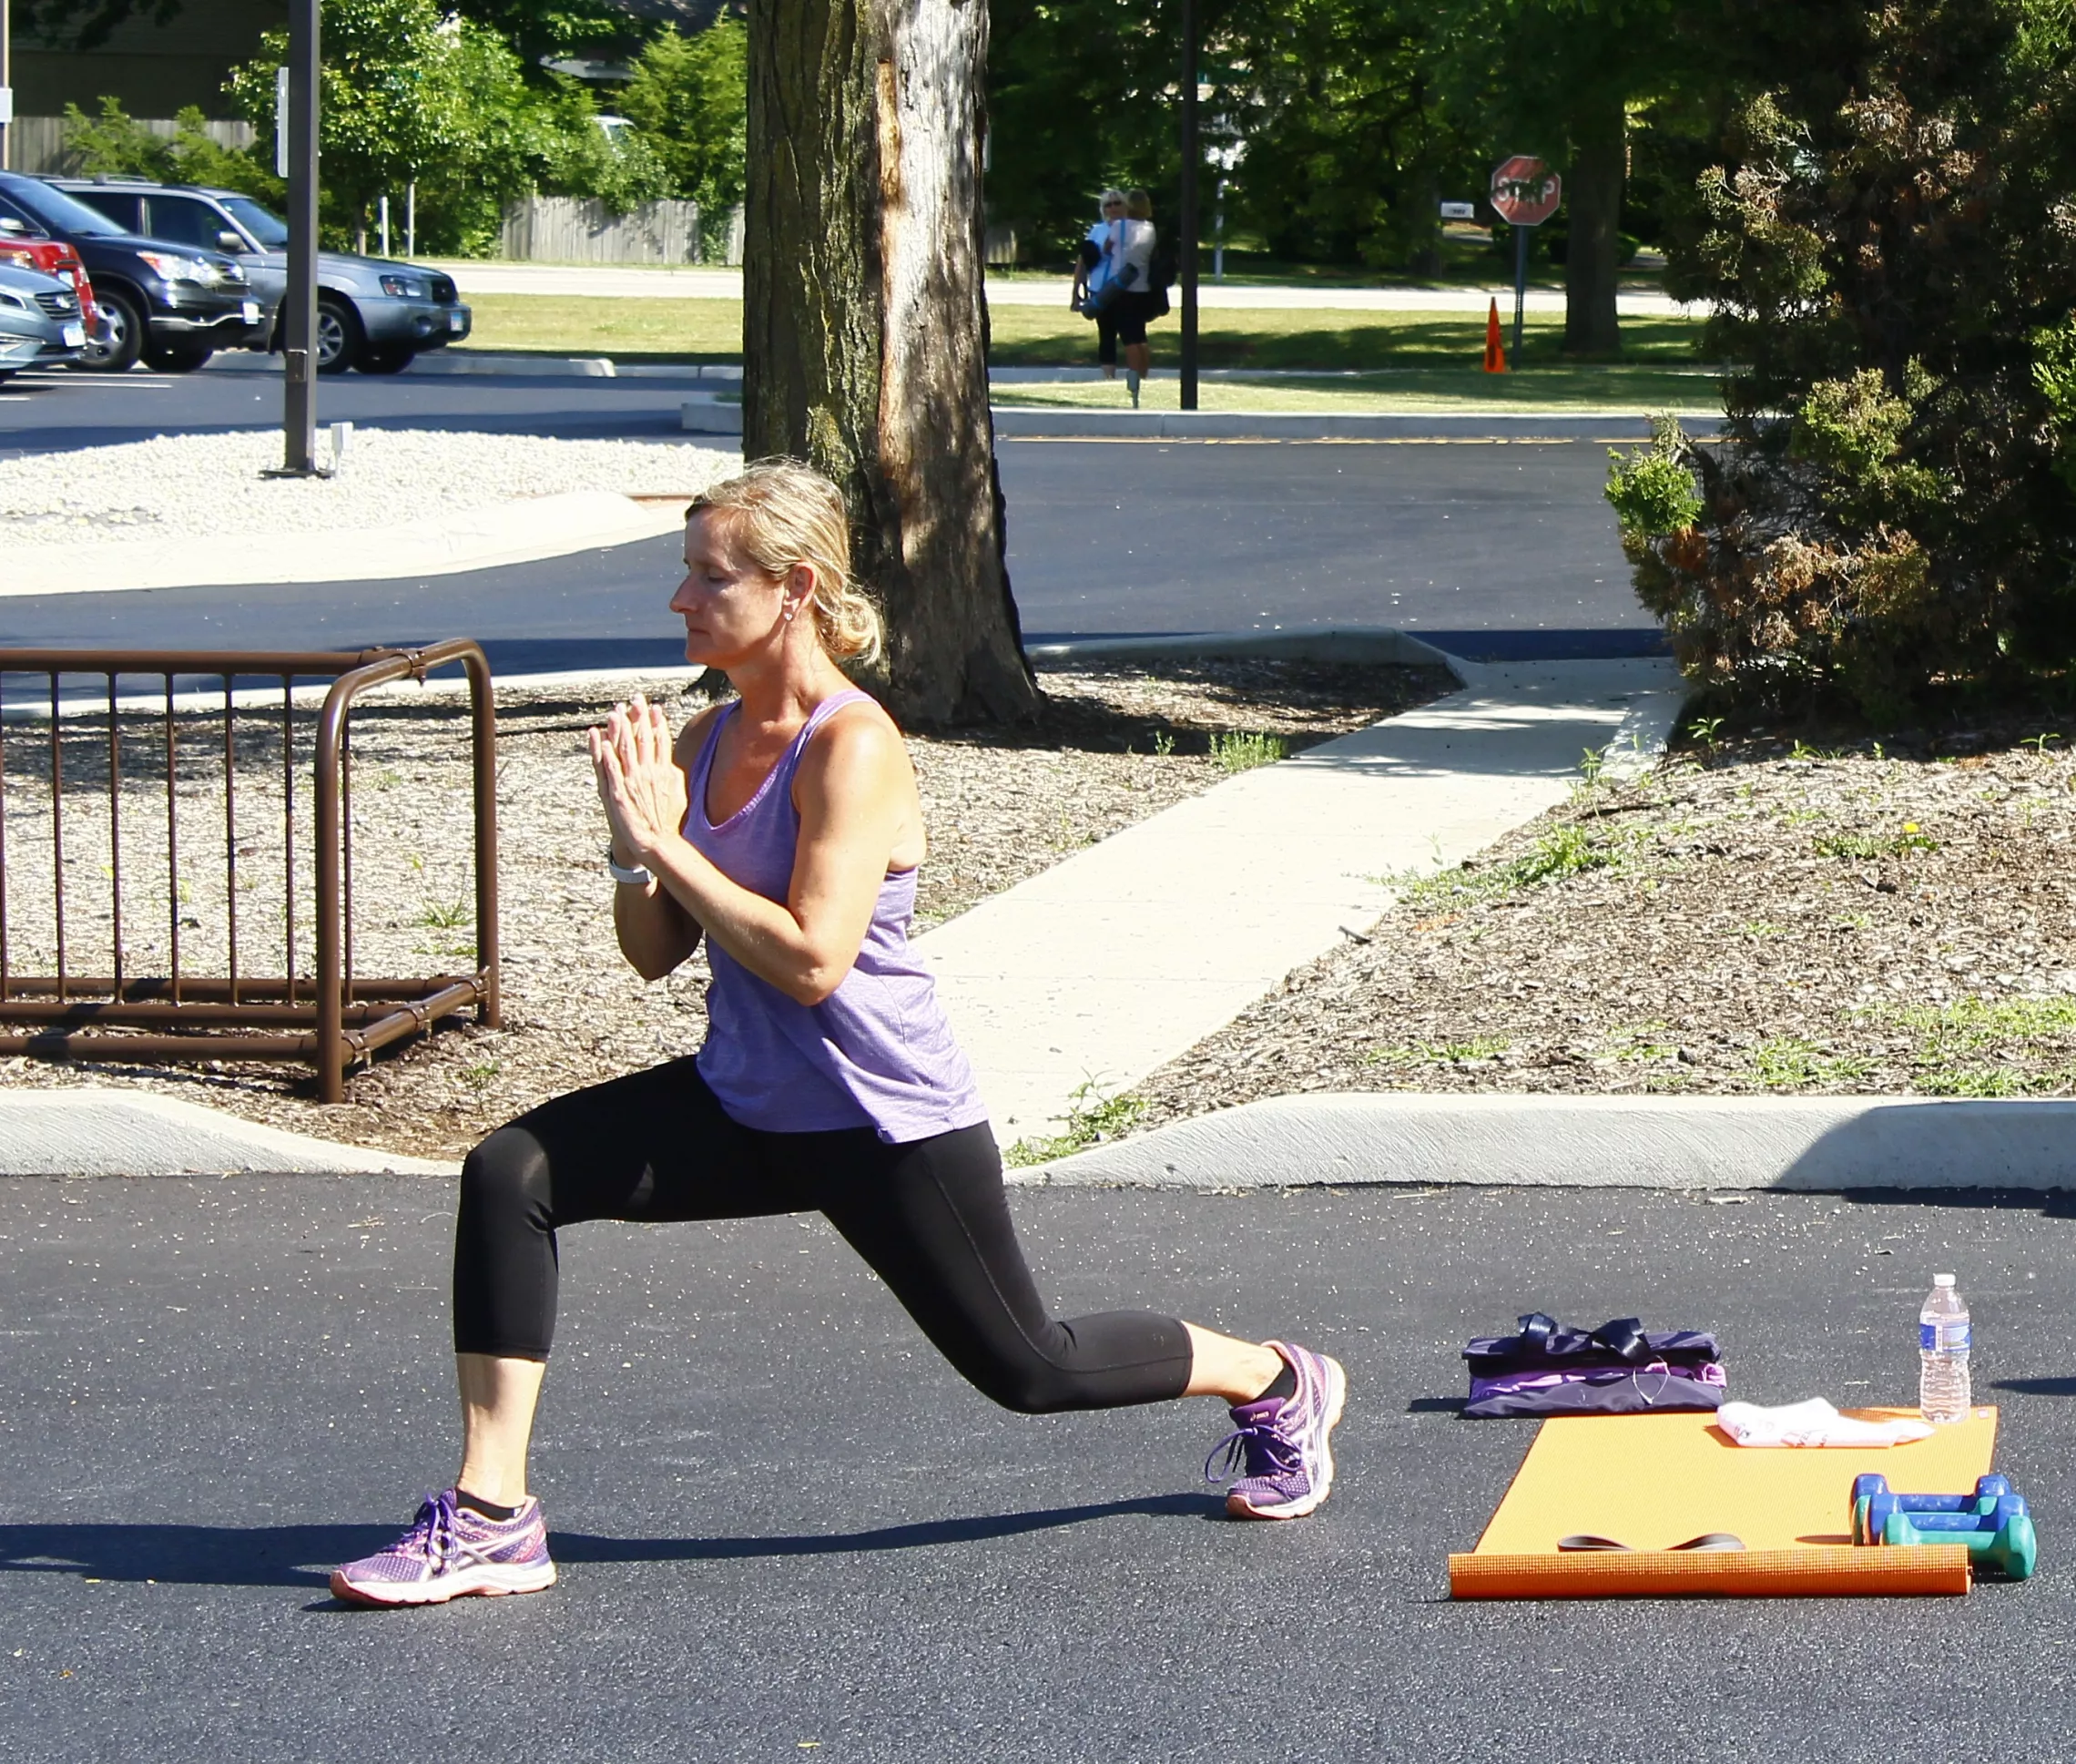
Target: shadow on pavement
x=303, y=1555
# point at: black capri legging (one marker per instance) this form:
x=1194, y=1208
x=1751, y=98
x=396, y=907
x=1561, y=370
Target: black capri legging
x=929, y=1217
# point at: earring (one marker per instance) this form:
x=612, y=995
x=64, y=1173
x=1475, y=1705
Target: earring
x=788, y=612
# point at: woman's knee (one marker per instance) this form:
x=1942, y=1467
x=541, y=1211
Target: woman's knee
x=507, y=1174
x=1022, y=1379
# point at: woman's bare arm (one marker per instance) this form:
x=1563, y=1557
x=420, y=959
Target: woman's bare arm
x=855, y=796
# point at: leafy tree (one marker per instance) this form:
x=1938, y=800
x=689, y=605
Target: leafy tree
x=1079, y=96
x=114, y=141
x=1889, y=237
x=689, y=97
x=1348, y=141
x=1562, y=79
x=75, y=25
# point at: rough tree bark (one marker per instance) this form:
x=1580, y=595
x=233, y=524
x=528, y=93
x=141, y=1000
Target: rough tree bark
x=1593, y=196
x=865, y=325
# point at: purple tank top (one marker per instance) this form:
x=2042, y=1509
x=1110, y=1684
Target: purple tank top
x=877, y=1052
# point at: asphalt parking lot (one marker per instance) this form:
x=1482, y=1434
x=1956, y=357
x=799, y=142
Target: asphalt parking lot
x=1496, y=548
x=786, y=1529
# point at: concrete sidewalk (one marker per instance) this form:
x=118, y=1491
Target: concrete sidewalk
x=1102, y=968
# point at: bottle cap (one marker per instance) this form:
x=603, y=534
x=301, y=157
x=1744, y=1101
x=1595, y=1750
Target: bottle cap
x=1942, y=1280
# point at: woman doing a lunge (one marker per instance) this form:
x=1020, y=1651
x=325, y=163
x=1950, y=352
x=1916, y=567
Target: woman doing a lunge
x=785, y=829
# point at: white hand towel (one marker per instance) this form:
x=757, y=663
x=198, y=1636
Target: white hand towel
x=1814, y=1422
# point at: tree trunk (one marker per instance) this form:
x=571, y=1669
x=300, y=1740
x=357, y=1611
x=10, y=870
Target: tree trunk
x=1593, y=196
x=1420, y=223
x=865, y=324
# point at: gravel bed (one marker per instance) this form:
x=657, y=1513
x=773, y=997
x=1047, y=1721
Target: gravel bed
x=1116, y=744
x=1763, y=919
x=183, y=485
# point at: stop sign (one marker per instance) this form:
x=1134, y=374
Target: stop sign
x=1525, y=192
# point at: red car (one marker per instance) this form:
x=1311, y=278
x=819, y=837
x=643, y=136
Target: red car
x=26, y=250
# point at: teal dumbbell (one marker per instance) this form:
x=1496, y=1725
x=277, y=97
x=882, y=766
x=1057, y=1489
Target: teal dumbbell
x=2008, y=1549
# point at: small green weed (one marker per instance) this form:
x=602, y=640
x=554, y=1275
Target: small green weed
x=445, y=915
x=1760, y=928
x=1789, y=1062
x=1238, y=750
x=1441, y=1053
x=1163, y=744
x=1862, y=848
x=479, y=1076
x=1639, y=1043
x=2038, y=743
x=1566, y=850
x=1970, y=1025
x=1092, y=1117
x=1703, y=730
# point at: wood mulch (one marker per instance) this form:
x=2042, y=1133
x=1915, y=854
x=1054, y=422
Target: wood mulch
x=1115, y=744
x=1761, y=918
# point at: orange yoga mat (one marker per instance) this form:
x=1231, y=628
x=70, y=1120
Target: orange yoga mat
x=1653, y=1481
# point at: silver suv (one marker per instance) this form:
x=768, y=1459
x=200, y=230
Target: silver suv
x=373, y=313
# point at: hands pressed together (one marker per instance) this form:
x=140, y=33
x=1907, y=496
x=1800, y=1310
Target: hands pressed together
x=639, y=780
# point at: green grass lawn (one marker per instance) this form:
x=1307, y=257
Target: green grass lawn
x=1328, y=340
x=1410, y=360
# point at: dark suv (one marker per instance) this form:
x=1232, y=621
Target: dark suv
x=162, y=300
x=373, y=313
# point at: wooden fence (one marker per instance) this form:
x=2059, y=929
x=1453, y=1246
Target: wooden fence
x=566, y=229
x=36, y=144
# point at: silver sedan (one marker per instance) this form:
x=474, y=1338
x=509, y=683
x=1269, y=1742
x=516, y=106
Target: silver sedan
x=40, y=323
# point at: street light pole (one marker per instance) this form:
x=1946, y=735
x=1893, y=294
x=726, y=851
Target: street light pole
x=6, y=89
x=1186, y=238
x=299, y=346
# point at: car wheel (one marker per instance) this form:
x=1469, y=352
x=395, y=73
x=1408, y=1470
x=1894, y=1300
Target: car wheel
x=122, y=334
x=385, y=358
x=338, y=336
x=176, y=358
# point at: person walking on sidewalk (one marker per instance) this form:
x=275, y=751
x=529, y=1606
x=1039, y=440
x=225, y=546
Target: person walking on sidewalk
x=1132, y=265
x=784, y=830
x=1092, y=271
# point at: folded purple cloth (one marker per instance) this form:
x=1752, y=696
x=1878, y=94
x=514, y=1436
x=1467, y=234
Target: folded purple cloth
x=1598, y=1391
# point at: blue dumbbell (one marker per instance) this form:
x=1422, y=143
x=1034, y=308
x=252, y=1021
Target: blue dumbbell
x=1872, y=1503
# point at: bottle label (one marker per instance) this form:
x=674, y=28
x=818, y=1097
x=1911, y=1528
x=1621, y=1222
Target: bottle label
x=1943, y=1338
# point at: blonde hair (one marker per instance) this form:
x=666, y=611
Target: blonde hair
x=783, y=514
x=1110, y=196
x=1138, y=205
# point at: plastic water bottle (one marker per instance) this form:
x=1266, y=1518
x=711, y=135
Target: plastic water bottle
x=1942, y=1354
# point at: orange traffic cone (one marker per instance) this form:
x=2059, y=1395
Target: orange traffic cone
x=1495, y=350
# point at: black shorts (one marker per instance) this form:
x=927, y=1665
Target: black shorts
x=1130, y=313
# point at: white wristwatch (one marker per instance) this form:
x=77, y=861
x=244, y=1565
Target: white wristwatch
x=637, y=877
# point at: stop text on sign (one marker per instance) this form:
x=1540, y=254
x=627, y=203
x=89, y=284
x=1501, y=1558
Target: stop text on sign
x=1525, y=192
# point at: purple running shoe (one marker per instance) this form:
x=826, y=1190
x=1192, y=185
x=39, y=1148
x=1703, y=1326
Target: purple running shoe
x=1279, y=1447
x=451, y=1552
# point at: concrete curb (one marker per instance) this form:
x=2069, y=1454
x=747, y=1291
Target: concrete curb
x=1818, y=1144
x=92, y=1131
x=1028, y=422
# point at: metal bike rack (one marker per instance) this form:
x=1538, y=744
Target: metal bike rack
x=331, y=1017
